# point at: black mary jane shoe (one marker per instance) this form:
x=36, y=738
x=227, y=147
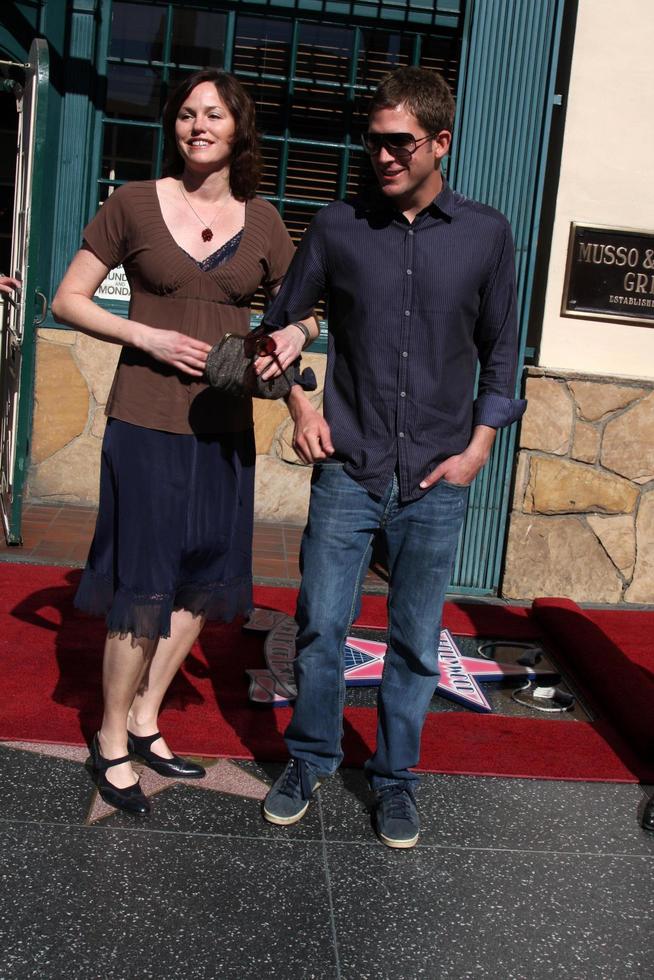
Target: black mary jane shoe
x=647, y=821
x=175, y=768
x=130, y=799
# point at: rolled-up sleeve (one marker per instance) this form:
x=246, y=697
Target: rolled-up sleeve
x=497, y=411
x=496, y=339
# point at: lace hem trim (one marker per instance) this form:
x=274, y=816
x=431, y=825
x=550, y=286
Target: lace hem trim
x=148, y=615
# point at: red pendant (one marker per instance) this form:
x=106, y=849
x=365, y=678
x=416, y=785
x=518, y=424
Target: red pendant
x=207, y=234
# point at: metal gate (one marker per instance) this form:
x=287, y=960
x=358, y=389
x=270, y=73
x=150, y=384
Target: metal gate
x=505, y=100
x=24, y=311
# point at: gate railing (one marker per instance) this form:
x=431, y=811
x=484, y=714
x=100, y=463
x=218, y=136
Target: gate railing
x=506, y=97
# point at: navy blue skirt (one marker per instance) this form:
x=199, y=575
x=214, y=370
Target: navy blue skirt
x=174, y=529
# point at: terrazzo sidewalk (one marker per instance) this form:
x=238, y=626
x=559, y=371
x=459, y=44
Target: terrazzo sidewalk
x=512, y=879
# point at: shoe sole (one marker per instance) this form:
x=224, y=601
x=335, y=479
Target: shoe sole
x=287, y=821
x=284, y=821
x=391, y=842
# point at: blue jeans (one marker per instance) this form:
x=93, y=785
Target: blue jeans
x=421, y=538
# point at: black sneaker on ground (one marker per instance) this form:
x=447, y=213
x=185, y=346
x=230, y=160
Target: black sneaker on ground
x=647, y=822
x=395, y=815
x=289, y=797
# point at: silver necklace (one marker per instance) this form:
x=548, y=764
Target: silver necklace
x=207, y=233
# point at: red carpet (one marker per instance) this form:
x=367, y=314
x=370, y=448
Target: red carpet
x=51, y=684
x=609, y=653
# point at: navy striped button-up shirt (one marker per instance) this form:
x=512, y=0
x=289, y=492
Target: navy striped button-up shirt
x=411, y=308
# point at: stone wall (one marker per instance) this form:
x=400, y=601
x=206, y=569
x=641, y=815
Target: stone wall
x=283, y=482
x=582, y=523
x=73, y=378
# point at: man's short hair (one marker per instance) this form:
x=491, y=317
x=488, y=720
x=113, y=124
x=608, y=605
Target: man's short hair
x=425, y=94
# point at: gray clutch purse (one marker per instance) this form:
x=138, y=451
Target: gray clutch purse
x=230, y=367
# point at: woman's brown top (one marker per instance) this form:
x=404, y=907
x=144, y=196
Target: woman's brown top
x=170, y=291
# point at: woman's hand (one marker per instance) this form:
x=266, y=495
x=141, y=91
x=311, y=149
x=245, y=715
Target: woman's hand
x=73, y=304
x=288, y=347
x=8, y=283
x=177, y=349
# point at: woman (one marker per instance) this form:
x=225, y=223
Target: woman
x=172, y=545
x=8, y=284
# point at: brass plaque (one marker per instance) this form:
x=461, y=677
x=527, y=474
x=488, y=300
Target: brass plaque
x=610, y=274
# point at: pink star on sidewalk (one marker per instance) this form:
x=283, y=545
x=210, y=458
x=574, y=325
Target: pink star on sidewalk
x=222, y=776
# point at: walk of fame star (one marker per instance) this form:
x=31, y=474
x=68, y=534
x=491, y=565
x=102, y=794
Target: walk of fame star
x=364, y=664
x=222, y=776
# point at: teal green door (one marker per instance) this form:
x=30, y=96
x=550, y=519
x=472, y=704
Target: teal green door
x=22, y=314
x=504, y=107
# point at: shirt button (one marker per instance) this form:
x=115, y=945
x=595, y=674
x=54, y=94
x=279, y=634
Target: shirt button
x=409, y=272
x=403, y=394
x=405, y=353
x=401, y=435
x=410, y=231
x=407, y=312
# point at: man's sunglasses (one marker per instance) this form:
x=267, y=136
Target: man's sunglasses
x=397, y=144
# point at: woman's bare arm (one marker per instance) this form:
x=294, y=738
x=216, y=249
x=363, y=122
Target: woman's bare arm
x=73, y=304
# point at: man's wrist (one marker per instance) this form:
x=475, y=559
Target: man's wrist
x=480, y=445
x=297, y=403
x=295, y=396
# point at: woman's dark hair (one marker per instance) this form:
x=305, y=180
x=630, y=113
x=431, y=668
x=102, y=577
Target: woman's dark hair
x=245, y=166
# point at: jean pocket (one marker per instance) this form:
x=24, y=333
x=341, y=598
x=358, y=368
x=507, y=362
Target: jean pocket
x=326, y=471
x=455, y=486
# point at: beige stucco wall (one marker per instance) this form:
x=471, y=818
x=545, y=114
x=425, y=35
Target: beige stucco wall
x=606, y=176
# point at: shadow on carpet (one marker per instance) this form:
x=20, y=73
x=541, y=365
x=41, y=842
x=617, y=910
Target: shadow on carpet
x=52, y=680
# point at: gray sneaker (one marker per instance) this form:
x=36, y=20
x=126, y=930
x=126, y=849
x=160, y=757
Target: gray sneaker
x=288, y=799
x=395, y=816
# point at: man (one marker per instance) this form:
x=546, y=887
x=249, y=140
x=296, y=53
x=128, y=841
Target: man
x=420, y=283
